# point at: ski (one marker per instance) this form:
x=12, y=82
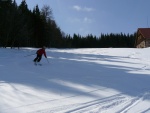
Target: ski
x=39, y=64
x=35, y=63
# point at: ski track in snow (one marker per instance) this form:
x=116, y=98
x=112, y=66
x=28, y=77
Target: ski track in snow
x=112, y=102
x=98, y=106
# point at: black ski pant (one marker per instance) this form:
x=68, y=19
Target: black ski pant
x=38, y=58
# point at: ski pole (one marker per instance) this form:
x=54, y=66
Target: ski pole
x=47, y=60
x=30, y=55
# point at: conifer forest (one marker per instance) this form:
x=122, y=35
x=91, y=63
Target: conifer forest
x=21, y=27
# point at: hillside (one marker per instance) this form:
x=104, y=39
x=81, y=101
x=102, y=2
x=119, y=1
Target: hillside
x=101, y=80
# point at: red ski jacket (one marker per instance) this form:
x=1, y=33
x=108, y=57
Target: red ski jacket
x=41, y=52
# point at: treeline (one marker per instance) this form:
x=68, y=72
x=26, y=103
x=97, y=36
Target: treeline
x=104, y=41
x=21, y=27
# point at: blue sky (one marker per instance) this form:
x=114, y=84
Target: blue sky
x=97, y=16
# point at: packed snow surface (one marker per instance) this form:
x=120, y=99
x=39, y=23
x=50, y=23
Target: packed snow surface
x=97, y=80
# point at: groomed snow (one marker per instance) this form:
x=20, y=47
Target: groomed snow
x=101, y=80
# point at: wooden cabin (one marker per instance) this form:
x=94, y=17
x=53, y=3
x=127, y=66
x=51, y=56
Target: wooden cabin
x=142, y=38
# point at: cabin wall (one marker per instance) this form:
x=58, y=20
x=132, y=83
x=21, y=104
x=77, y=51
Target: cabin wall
x=147, y=42
x=140, y=41
x=141, y=45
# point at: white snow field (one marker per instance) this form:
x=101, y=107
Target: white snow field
x=100, y=80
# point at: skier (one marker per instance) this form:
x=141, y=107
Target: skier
x=39, y=53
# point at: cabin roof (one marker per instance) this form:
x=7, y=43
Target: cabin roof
x=145, y=32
